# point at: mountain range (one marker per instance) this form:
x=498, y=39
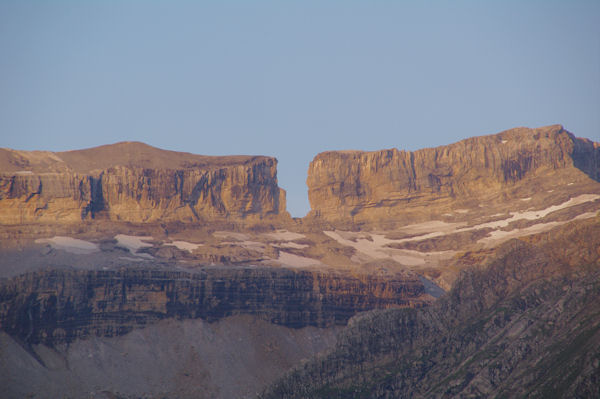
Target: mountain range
x=466, y=270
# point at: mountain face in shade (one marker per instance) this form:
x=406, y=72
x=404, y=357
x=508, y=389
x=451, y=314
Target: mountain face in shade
x=60, y=306
x=525, y=324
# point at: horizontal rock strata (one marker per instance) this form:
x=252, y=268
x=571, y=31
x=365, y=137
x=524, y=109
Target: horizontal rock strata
x=134, y=182
x=348, y=187
x=58, y=306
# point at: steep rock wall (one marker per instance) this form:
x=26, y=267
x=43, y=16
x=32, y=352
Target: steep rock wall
x=48, y=187
x=58, y=306
x=369, y=186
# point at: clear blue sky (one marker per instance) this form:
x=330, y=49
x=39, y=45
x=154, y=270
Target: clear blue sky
x=291, y=79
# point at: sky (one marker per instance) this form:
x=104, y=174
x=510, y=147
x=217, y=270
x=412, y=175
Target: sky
x=291, y=79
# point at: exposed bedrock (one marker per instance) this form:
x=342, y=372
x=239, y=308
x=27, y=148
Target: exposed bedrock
x=361, y=187
x=59, y=306
x=134, y=182
x=524, y=324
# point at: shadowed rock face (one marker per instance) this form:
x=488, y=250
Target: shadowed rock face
x=370, y=187
x=134, y=182
x=526, y=324
x=58, y=306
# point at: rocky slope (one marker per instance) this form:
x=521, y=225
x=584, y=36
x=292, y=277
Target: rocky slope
x=134, y=182
x=392, y=188
x=526, y=324
x=234, y=357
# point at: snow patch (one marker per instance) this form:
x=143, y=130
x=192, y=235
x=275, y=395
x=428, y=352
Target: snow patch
x=586, y=215
x=291, y=245
x=376, y=246
x=533, y=215
x=371, y=246
x=436, y=226
x=288, y=259
x=134, y=243
x=185, y=246
x=72, y=245
x=501, y=235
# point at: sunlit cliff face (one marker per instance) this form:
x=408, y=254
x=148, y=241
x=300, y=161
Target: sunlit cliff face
x=382, y=187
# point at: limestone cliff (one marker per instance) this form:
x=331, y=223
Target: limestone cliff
x=367, y=187
x=57, y=306
x=135, y=182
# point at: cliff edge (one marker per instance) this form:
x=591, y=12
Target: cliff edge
x=377, y=187
x=134, y=182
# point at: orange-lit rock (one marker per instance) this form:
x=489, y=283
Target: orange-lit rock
x=357, y=187
x=134, y=182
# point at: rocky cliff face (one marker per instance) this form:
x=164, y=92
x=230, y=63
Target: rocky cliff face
x=60, y=306
x=526, y=324
x=369, y=187
x=379, y=221
x=134, y=182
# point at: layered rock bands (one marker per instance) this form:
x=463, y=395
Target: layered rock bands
x=366, y=187
x=134, y=182
x=58, y=306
